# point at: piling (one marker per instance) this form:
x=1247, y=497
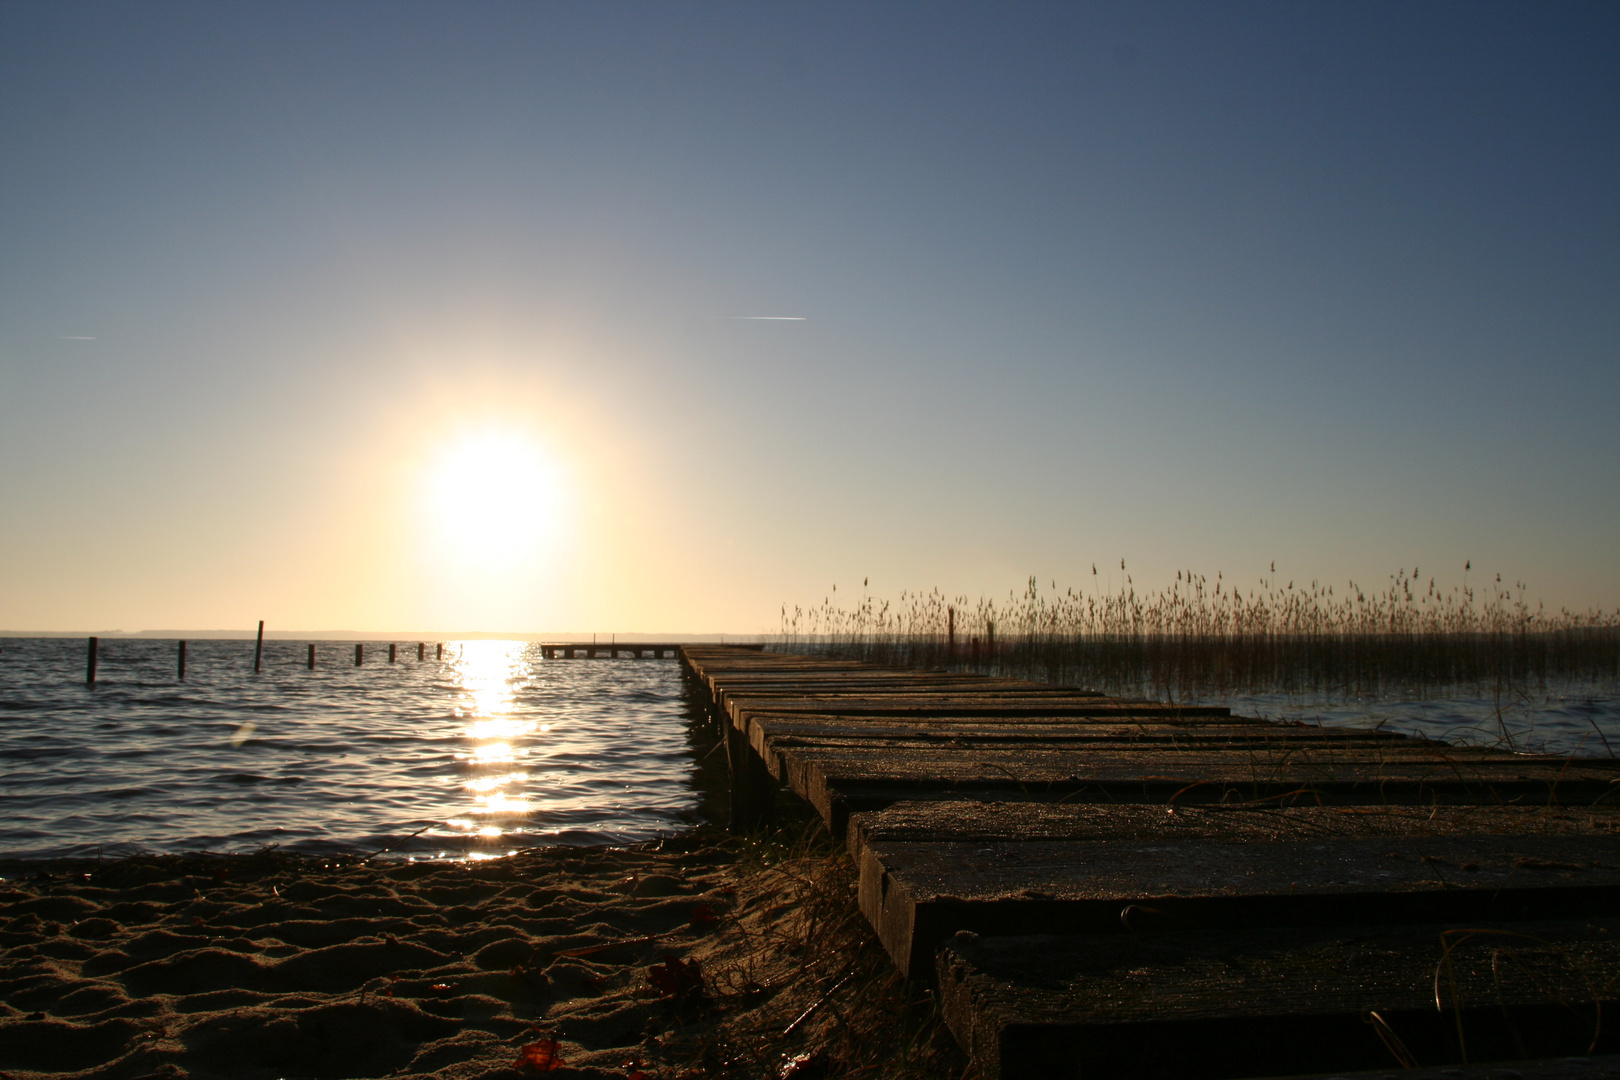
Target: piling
x=421, y=651
x=182, y=662
x=90, y=662
x=312, y=656
x=258, y=648
x=439, y=651
x=358, y=653
x=393, y=651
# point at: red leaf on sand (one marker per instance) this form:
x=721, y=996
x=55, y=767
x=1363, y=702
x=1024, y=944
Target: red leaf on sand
x=540, y=1056
x=197, y=923
x=702, y=915
x=677, y=978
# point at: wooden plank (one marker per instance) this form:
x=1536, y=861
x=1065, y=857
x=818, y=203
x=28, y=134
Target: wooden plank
x=1274, y=1001
x=1008, y=822
x=817, y=686
x=838, y=783
x=1255, y=758
x=1100, y=738
x=739, y=707
x=842, y=686
x=839, y=724
x=876, y=677
x=1062, y=768
x=1192, y=763
x=968, y=733
x=858, y=699
x=919, y=893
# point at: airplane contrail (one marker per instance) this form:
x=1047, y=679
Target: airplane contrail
x=770, y=318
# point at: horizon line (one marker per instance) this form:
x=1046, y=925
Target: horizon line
x=560, y=636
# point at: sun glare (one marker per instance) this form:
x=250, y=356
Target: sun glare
x=493, y=495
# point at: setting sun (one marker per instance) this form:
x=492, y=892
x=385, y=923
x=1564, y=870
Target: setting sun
x=494, y=495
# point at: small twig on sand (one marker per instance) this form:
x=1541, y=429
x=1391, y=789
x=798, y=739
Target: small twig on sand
x=819, y=1002
x=413, y=836
x=592, y=950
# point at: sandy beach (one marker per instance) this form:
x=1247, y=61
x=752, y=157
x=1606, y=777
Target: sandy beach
x=700, y=955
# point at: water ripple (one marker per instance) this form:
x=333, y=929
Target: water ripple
x=491, y=749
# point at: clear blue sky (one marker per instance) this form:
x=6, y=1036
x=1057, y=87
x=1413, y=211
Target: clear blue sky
x=419, y=315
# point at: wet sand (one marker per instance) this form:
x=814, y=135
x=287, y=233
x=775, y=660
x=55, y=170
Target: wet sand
x=694, y=956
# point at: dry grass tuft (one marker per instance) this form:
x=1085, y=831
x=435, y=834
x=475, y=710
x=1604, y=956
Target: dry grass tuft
x=803, y=989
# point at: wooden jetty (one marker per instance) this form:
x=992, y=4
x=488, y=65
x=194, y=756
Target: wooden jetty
x=1112, y=888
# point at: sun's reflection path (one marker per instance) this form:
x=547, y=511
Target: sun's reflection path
x=487, y=676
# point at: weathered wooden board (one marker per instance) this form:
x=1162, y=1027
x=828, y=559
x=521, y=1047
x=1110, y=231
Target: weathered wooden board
x=965, y=730
x=839, y=686
x=837, y=781
x=740, y=706
x=964, y=822
x=1145, y=740
x=919, y=893
x=1268, y=1002
x=1099, y=737
x=901, y=681
x=1193, y=762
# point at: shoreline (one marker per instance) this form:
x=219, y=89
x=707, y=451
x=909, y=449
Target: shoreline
x=701, y=954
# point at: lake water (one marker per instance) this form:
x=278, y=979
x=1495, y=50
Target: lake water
x=1568, y=719
x=490, y=749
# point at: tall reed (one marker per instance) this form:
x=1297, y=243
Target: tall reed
x=1199, y=638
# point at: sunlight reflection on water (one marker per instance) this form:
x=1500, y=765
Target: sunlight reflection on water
x=491, y=749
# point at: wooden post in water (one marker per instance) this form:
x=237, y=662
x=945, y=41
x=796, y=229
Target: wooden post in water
x=393, y=651
x=439, y=653
x=258, y=649
x=358, y=653
x=90, y=662
x=312, y=656
x=421, y=651
x=182, y=662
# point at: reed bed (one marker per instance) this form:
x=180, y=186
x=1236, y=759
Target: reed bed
x=1199, y=639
